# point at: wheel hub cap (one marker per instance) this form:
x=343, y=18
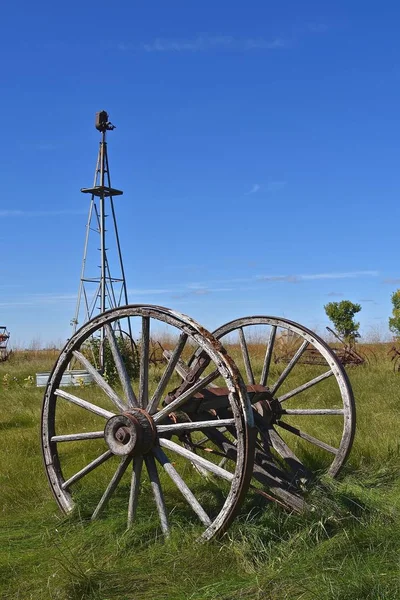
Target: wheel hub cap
x=130, y=433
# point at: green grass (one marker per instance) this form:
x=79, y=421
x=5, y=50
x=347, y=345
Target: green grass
x=346, y=547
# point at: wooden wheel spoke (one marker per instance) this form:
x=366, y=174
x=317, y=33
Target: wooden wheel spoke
x=305, y=386
x=84, y=404
x=268, y=356
x=144, y=363
x=293, y=345
x=181, y=367
x=181, y=485
x=173, y=360
x=307, y=437
x=197, y=460
x=101, y=382
x=289, y=367
x=293, y=462
x=134, y=489
x=116, y=478
x=175, y=404
x=144, y=466
x=92, y=465
x=75, y=437
x=194, y=425
x=246, y=357
x=121, y=368
x=280, y=489
x=157, y=492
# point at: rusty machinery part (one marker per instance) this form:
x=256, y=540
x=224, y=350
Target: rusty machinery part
x=394, y=354
x=99, y=442
x=4, y=339
x=156, y=353
x=102, y=122
x=350, y=354
x=304, y=411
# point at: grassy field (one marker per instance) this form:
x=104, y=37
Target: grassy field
x=346, y=547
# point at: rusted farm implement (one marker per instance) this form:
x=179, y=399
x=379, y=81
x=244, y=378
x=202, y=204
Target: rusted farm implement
x=207, y=416
x=346, y=353
x=4, y=339
x=214, y=426
x=394, y=354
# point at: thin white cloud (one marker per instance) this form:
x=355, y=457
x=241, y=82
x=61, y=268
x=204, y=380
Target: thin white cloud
x=255, y=188
x=335, y=294
x=204, y=43
x=4, y=214
x=39, y=300
x=262, y=44
x=318, y=276
x=150, y=291
x=285, y=278
x=195, y=289
x=345, y=275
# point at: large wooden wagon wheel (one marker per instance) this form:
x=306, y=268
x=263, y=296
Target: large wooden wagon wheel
x=102, y=443
x=303, y=404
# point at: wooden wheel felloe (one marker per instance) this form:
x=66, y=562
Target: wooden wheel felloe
x=303, y=402
x=101, y=442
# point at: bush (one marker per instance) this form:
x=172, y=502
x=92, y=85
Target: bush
x=394, y=321
x=127, y=348
x=342, y=316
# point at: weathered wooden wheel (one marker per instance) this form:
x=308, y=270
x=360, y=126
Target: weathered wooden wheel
x=303, y=405
x=305, y=411
x=93, y=435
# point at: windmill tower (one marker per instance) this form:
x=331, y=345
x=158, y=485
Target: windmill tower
x=102, y=286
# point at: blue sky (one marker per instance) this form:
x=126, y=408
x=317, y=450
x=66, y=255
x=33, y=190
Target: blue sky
x=257, y=144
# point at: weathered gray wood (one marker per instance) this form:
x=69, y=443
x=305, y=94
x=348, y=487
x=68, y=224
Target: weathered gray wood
x=306, y=436
x=173, y=360
x=313, y=411
x=342, y=392
x=246, y=357
x=268, y=356
x=121, y=368
x=194, y=425
x=289, y=367
x=116, y=478
x=144, y=363
x=84, y=404
x=266, y=470
x=175, y=404
x=101, y=382
x=181, y=485
x=197, y=460
x=92, y=465
x=181, y=367
x=157, y=492
x=305, y=386
x=292, y=461
x=58, y=462
x=134, y=489
x=75, y=437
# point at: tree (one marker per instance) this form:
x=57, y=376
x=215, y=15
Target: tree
x=394, y=321
x=342, y=316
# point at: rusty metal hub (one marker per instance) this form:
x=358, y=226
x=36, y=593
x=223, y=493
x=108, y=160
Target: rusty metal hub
x=130, y=433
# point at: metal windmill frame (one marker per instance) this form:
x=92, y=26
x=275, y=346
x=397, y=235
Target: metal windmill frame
x=105, y=295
